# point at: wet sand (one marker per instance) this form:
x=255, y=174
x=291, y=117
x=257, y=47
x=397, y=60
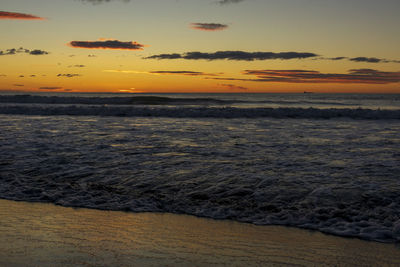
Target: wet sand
x=37, y=234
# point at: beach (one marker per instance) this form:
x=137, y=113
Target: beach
x=38, y=234
x=199, y=133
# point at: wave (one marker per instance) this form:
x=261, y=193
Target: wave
x=159, y=100
x=136, y=100
x=200, y=112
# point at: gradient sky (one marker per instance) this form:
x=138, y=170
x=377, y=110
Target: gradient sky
x=338, y=46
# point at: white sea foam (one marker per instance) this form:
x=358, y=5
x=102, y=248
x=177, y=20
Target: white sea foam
x=338, y=176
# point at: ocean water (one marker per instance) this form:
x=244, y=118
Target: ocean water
x=329, y=162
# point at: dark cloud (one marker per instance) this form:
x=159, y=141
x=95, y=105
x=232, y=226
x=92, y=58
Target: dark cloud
x=332, y=58
x=101, y=1
x=208, y=26
x=166, y=72
x=37, y=52
x=365, y=76
x=233, y=87
x=33, y=76
x=92, y=56
x=225, y=2
x=107, y=44
x=235, y=55
x=21, y=16
x=76, y=66
x=165, y=56
x=21, y=76
x=3, y=75
x=50, y=88
x=13, y=51
x=186, y=73
x=364, y=59
x=368, y=59
x=304, y=76
x=68, y=75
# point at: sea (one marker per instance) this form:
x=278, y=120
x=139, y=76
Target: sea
x=327, y=162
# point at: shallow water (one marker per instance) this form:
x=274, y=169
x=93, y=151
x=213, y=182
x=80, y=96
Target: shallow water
x=46, y=235
x=339, y=176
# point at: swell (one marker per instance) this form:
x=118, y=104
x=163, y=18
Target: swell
x=199, y=112
x=136, y=100
x=156, y=100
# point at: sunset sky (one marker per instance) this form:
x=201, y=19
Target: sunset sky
x=200, y=46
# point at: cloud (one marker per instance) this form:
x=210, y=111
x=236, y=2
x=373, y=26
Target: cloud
x=37, y=52
x=332, y=58
x=168, y=72
x=208, y=26
x=166, y=56
x=94, y=2
x=13, y=51
x=3, y=75
x=225, y=2
x=50, y=88
x=362, y=76
x=233, y=87
x=19, y=85
x=186, y=73
x=363, y=59
x=368, y=59
x=68, y=75
x=107, y=44
x=20, y=16
x=76, y=66
x=235, y=55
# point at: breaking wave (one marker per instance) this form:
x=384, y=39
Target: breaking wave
x=199, y=112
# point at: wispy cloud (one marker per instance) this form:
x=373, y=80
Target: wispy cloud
x=208, y=26
x=76, y=66
x=370, y=60
x=20, y=16
x=225, y=2
x=107, y=44
x=235, y=55
x=233, y=87
x=18, y=85
x=166, y=72
x=331, y=58
x=68, y=75
x=102, y=1
x=13, y=51
x=186, y=73
x=50, y=88
x=362, y=76
x=362, y=59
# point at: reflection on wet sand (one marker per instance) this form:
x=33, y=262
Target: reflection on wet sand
x=46, y=235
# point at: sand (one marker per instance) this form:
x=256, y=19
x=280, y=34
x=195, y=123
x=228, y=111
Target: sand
x=37, y=234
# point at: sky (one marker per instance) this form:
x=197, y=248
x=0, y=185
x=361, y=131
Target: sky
x=194, y=46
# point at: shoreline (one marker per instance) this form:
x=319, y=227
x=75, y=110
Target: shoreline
x=49, y=235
